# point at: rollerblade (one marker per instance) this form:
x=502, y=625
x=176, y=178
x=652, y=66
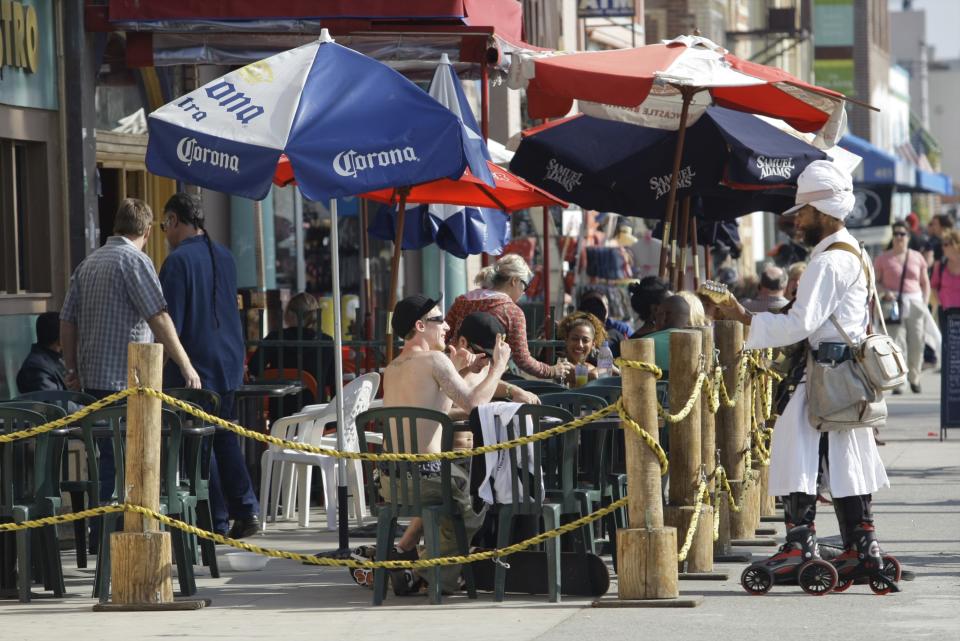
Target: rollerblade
x=863, y=562
x=797, y=562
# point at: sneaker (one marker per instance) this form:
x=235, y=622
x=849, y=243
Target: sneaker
x=915, y=388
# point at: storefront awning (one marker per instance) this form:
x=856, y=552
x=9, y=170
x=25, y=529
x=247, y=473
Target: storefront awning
x=409, y=36
x=878, y=167
x=934, y=183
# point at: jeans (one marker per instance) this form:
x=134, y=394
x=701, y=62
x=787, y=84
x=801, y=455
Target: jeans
x=231, y=490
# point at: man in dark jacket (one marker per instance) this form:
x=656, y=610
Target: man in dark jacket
x=43, y=369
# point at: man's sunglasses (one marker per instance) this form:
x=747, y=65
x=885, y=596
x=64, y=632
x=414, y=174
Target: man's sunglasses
x=164, y=224
x=433, y=319
x=900, y=234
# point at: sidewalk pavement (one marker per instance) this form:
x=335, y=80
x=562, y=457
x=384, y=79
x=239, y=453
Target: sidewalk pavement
x=918, y=521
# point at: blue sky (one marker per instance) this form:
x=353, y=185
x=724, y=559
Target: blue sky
x=943, y=24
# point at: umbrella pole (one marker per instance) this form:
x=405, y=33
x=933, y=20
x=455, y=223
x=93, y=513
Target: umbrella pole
x=547, y=317
x=395, y=269
x=484, y=123
x=342, y=510
x=258, y=251
x=365, y=267
x=695, y=248
x=687, y=93
x=684, y=237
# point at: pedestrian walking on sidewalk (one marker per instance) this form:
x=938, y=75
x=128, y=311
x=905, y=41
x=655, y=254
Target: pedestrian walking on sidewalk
x=199, y=280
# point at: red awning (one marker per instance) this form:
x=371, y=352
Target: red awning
x=137, y=10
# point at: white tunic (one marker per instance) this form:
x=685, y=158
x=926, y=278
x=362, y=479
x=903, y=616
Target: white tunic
x=833, y=283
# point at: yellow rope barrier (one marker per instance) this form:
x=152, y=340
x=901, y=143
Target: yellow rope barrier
x=309, y=558
x=67, y=421
x=647, y=438
x=688, y=407
x=694, y=522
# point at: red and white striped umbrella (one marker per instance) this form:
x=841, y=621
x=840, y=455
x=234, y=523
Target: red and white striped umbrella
x=647, y=86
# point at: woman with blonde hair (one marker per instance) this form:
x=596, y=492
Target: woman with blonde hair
x=500, y=287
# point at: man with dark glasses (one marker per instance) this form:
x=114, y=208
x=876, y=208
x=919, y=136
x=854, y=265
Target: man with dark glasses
x=427, y=374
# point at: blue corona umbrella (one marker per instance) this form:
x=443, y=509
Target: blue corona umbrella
x=626, y=169
x=347, y=123
x=458, y=230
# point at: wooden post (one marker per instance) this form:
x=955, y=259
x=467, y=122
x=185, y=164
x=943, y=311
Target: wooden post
x=685, y=452
x=743, y=524
x=647, y=551
x=708, y=420
x=731, y=434
x=141, y=558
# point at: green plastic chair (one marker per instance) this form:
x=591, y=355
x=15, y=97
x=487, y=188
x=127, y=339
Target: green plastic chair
x=590, y=450
x=528, y=499
x=78, y=489
x=29, y=490
x=609, y=393
x=174, y=502
x=399, y=428
x=539, y=387
x=195, y=464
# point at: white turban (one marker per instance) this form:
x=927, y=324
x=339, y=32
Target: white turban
x=827, y=187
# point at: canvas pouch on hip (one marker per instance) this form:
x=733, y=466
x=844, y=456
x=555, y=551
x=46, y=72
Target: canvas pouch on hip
x=839, y=397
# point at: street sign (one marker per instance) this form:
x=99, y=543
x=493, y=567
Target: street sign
x=950, y=372
x=606, y=9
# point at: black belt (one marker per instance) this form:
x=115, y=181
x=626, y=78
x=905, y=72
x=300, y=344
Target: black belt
x=832, y=353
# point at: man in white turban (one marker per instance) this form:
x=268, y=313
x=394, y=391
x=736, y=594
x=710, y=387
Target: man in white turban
x=834, y=283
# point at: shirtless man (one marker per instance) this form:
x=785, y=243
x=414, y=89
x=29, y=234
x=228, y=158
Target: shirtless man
x=424, y=375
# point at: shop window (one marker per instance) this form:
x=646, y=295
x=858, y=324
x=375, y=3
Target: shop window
x=24, y=218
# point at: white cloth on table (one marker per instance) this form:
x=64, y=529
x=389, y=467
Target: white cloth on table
x=497, y=487
x=833, y=283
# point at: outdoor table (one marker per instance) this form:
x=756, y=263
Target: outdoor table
x=251, y=415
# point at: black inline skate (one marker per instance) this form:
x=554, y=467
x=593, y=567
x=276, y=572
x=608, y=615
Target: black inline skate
x=797, y=562
x=863, y=562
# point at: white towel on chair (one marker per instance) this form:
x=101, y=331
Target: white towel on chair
x=498, y=484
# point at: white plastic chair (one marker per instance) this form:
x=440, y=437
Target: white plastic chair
x=283, y=469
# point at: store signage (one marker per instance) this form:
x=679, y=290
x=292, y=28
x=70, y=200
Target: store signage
x=19, y=36
x=606, y=8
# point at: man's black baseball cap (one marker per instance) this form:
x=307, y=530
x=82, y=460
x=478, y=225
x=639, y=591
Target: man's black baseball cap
x=408, y=311
x=481, y=329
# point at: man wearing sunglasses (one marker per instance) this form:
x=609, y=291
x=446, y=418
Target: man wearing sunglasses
x=429, y=375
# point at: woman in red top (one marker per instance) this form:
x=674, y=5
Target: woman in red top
x=902, y=275
x=946, y=274
x=501, y=286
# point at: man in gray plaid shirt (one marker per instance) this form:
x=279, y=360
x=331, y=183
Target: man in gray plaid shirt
x=114, y=299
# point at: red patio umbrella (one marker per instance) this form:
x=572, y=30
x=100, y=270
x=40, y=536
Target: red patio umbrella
x=669, y=86
x=510, y=194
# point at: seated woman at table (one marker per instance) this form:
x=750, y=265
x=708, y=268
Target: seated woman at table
x=645, y=298
x=581, y=332
x=300, y=322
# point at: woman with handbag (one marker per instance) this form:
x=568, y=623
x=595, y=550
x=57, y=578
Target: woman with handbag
x=905, y=291
x=945, y=280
